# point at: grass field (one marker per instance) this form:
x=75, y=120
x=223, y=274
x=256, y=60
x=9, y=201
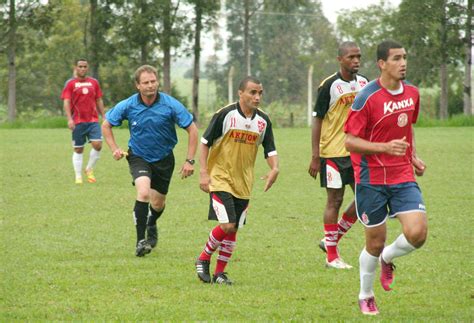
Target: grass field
x=68, y=251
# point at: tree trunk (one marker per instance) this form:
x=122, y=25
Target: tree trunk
x=443, y=72
x=197, y=56
x=167, y=48
x=468, y=62
x=94, y=32
x=11, y=63
x=143, y=46
x=247, y=37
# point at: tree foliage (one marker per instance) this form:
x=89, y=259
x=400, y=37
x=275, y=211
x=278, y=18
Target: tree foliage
x=284, y=39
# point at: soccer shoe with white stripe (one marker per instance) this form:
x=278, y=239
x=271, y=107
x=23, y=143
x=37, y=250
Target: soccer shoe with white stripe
x=368, y=306
x=202, y=270
x=338, y=263
x=152, y=235
x=322, y=246
x=221, y=279
x=387, y=278
x=143, y=248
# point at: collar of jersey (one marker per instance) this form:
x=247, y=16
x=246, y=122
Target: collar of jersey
x=242, y=113
x=342, y=79
x=157, y=99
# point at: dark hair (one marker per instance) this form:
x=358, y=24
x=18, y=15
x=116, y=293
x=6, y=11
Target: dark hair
x=243, y=83
x=384, y=47
x=80, y=60
x=144, y=68
x=343, y=47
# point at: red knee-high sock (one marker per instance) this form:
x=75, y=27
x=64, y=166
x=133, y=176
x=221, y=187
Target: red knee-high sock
x=344, y=224
x=330, y=234
x=225, y=251
x=215, y=239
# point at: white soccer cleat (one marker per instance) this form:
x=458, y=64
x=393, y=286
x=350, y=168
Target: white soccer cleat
x=338, y=263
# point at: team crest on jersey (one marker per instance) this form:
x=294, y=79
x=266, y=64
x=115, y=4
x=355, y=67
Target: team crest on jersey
x=261, y=125
x=362, y=83
x=85, y=90
x=402, y=120
x=364, y=218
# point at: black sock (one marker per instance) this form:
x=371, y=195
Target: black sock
x=140, y=211
x=155, y=215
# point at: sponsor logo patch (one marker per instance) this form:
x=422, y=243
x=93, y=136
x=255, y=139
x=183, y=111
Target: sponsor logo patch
x=364, y=218
x=402, y=120
x=390, y=106
x=261, y=125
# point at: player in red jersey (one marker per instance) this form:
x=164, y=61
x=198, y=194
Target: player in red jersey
x=380, y=138
x=82, y=101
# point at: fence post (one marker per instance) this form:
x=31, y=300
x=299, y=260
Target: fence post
x=310, y=95
x=230, y=80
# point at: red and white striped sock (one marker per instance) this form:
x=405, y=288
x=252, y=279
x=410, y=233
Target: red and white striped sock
x=225, y=251
x=215, y=239
x=330, y=235
x=344, y=224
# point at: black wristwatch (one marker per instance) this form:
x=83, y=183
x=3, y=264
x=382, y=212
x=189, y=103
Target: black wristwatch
x=191, y=161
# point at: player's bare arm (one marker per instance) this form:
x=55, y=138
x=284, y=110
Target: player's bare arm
x=188, y=167
x=418, y=164
x=117, y=153
x=67, y=110
x=204, y=179
x=396, y=147
x=272, y=175
x=315, y=163
x=100, y=107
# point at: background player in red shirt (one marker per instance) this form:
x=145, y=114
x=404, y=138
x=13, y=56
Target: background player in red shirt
x=82, y=101
x=380, y=138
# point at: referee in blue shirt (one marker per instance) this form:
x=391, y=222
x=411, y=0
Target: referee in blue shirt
x=152, y=117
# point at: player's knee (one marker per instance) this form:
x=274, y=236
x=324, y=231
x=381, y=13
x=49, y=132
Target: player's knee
x=157, y=205
x=228, y=227
x=375, y=246
x=335, y=202
x=143, y=194
x=417, y=236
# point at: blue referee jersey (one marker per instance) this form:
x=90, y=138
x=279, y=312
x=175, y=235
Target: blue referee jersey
x=152, y=128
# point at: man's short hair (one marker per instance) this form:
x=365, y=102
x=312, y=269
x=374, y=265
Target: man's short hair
x=344, y=46
x=79, y=60
x=144, y=68
x=243, y=83
x=384, y=48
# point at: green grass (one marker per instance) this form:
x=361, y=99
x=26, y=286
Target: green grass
x=68, y=251
x=279, y=113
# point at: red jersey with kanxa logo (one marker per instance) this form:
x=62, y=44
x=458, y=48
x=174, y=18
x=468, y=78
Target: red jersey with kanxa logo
x=83, y=94
x=379, y=116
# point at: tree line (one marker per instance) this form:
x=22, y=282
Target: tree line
x=275, y=40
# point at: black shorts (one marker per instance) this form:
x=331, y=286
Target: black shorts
x=159, y=172
x=226, y=208
x=336, y=172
